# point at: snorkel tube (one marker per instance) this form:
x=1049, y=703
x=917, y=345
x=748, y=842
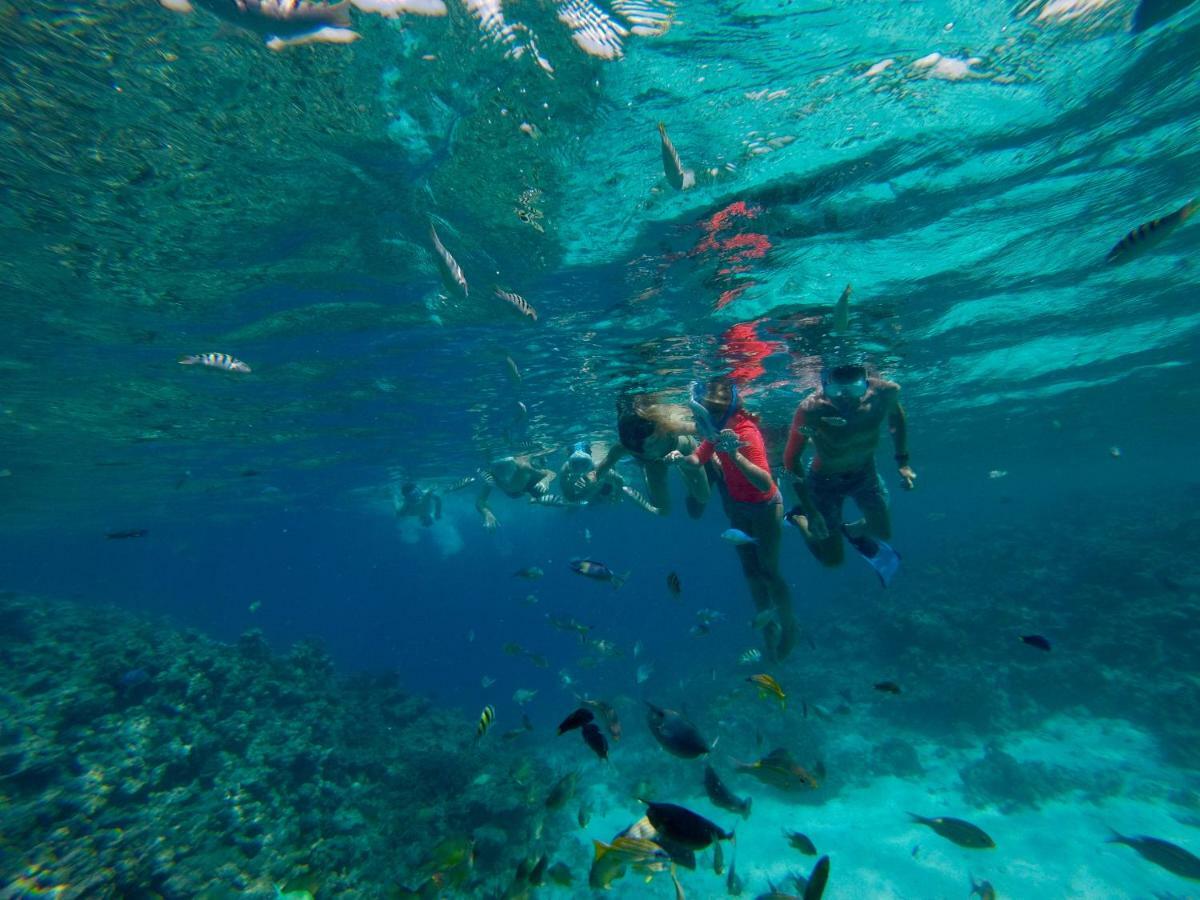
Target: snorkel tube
x=708, y=429
x=704, y=423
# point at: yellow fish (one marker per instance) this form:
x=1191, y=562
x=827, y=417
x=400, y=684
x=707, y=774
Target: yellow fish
x=486, y=718
x=768, y=685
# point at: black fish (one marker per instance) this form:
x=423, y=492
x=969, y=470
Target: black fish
x=576, y=719
x=674, y=585
x=684, y=827
x=722, y=796
x=887, y=687
x=1036, y=640
x=677, y=734
x=125, y=535
x=959, y=832
x=801, y=842
x=1161, y=853
x=817, y=880
x=537, y=877
x=733, y=883
x=594, y=738
x=562, y=792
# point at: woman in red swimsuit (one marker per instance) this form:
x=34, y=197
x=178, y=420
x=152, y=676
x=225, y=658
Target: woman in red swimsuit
x=752, y=502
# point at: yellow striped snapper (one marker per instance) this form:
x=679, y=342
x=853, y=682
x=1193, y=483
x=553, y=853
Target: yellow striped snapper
x=448, y=267
x=486, y=718
x=280, y=23
x=1147, y=235
x=216, y=361
x=680, y=178
x=519, y=303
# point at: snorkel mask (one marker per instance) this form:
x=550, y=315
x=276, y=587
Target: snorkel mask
x=580, y=461
x=845, y=383
x=704, y=419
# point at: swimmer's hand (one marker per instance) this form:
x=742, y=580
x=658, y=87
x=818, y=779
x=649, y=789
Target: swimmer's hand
x=674, y=457
x=489, y=520
x=728, y=442
x=538, y=489
x=908, y=478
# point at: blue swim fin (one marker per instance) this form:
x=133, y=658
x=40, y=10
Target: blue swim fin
x=883, y=559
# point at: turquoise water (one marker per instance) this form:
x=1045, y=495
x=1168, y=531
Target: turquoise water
x=222, y=640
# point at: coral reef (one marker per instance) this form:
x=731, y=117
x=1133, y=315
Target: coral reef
x=136, y=760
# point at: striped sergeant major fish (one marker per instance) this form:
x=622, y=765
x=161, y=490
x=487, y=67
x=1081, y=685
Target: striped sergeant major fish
x=217, y=361
x=519, y=303
x=448, y=267
x=1147, y=235
x=486, y=718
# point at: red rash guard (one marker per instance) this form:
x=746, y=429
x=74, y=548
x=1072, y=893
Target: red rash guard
x=740, y=488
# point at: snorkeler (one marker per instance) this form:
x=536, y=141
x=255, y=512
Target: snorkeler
x=412, y=501
x=751, y=499
x=843, y=420
x=515, y=476
x=648, y=432
x=580, y=483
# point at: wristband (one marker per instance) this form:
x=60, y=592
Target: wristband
x=902, y=459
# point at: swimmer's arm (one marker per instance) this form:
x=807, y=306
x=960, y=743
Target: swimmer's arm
x=481, y=504
x=793, y=461
x=898, y=426
x=611, y=458
x=694, y=460
x=543, y=483
x=756, y=475
x=793, y=454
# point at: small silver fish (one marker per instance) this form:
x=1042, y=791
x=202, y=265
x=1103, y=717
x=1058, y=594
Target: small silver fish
x=487, y=681
x=841, y=312
x=644, y=671
x=737, y=537
x=521, y=696
x=750, y=657
x=448, y=267
x=217, y=361
x=679, y=178
x=519, y=303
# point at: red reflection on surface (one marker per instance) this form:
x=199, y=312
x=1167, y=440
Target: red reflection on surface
x=744, y=350
x=735, y=249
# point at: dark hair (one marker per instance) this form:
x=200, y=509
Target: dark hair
x=408, y=488
x=634, y=430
